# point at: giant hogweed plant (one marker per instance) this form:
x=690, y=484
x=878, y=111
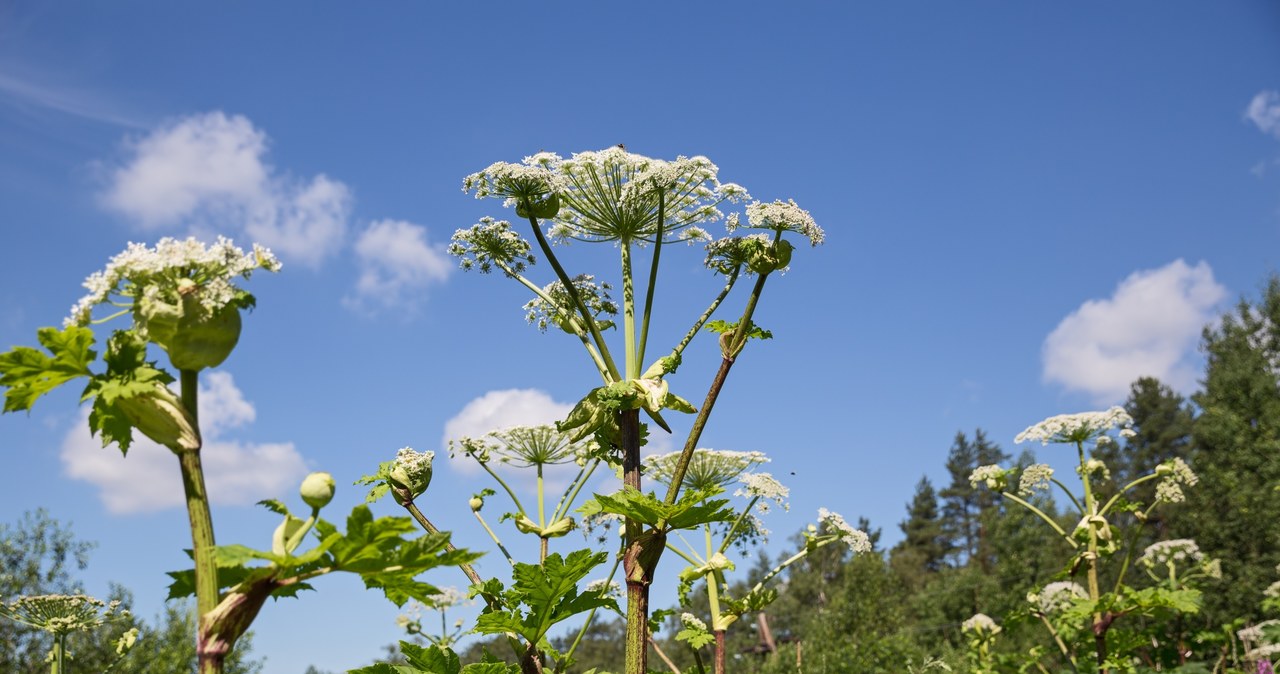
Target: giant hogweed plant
x=710, y=473
x=639, y=205
x=182, y=297
x=1091, y=617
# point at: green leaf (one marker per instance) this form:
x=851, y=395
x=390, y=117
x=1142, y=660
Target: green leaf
x=274, y=506
x=431, y=659
x=29, y=374
x=722, y=327
x=550, y=593
x=692, y=510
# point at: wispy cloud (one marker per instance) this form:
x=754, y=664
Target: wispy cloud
x=397, y=263
x=236, y=473
x=1148, y=327
x=76, y=102
x=208, y=173
x=1264, y=112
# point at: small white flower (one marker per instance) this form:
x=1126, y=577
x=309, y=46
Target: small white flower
x=783, y=216
x=708, y=468
x=994, y=476
x=691, y=622
x=609, y=588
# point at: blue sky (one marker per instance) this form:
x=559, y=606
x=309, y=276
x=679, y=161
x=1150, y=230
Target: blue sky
x=1027, y=205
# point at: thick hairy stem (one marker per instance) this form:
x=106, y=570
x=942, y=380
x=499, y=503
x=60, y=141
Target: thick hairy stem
x=641, y=555
x=720, y=647
x=202, y=541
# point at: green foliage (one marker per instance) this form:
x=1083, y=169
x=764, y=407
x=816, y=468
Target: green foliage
x=753, y=331
x=375, y=549
x=434, y=660
x=542, y=596
x=693, y=509
x=29, y=374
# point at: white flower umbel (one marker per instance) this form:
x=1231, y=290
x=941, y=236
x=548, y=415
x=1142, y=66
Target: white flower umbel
x=491, y=243
x=782, y=216
x=1078, y=428
x=559, y=311
x=708, y=468
x=1175, y=473
x=982, y=624
x=543, y=445
x=857, y=540
x=764, y=487
x=1176, y=550
x=1034, y=478
x=604, y=586
x=692, y=622
x=61, y=614
x=173, y=266
x=992, y=475
x=1057, y=596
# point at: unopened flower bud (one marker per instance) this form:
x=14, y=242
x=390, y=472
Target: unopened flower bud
x=160, y=415
x=194, y=336
x=543, y=209
x=317, y=490
x=411, y=472
x=476, y=503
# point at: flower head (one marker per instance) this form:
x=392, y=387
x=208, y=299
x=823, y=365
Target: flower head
x=980, y=624
x=1034, y=478
x=1171, y=551
x=533, y=179
x=764, y=487
x=491, y=243
x=708, y=468
x=411, y=471
x=782, y=216
x=604, y=587
x=1073, y=428
x=691, y=622
x=526, y=446
x=857, y=540
x=561, y=312
x=995, y=477
x=60, y=613
x=1057, y=596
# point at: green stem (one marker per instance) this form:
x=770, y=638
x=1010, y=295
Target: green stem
x=1074, y=501
x=1128, y=552
x=1099, y=628
x=203, y=546
x=58, y=664
x=1062, y=646
x=527, y=666
x=706, y=315
x=1039, y=513
x=572, y=290
x=512, y=494
x=571, y=494
x=494, y=536
x=653, y=277
x=728, y=538
x=1127, y=487
x=700, y=421
x=683, y=555
x=542, y=508
x=582, y=333
x=632, y=362
x=591, y=616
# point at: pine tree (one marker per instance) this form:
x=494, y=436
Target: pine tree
x=1233, y=511
x=964, y=506
x=923, y=550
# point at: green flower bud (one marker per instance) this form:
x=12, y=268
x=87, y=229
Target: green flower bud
x=544, y=208
x=559, y=528
x=286, y=530
x=526, y=525
x=160, y=415
x=476, y=503
x=317, y=490
x=194, y=336
x=411, y=473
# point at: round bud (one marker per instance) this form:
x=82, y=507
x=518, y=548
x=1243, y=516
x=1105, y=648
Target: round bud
x=476, y=503
x=194, y=336
x=317, y=489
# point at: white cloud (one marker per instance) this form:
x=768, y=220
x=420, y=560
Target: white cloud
x=67, y=99
x=396, y=262
x=1148, y=327
x=148, y=479
x=1264, y=112
x=495, y=410
x=208, y=173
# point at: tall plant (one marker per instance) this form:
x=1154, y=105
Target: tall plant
x=637, y=204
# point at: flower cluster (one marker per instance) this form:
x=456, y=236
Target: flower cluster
x=491, y=243
x=708, y=468
x=1176, y=473
x=61, y=613
x=531, y=179
x=857, y=540
x=174, y=267
x=782, y=216
x=995, y=477
x=691, y=622
x=448, y=597
x=411, y=470
x=980, y=624
x=605, y=587
x=764, y=487
x=1171, y=551
x=1056, y=596
x=1078, y=428
x=1034, y=478
x=561, y=312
